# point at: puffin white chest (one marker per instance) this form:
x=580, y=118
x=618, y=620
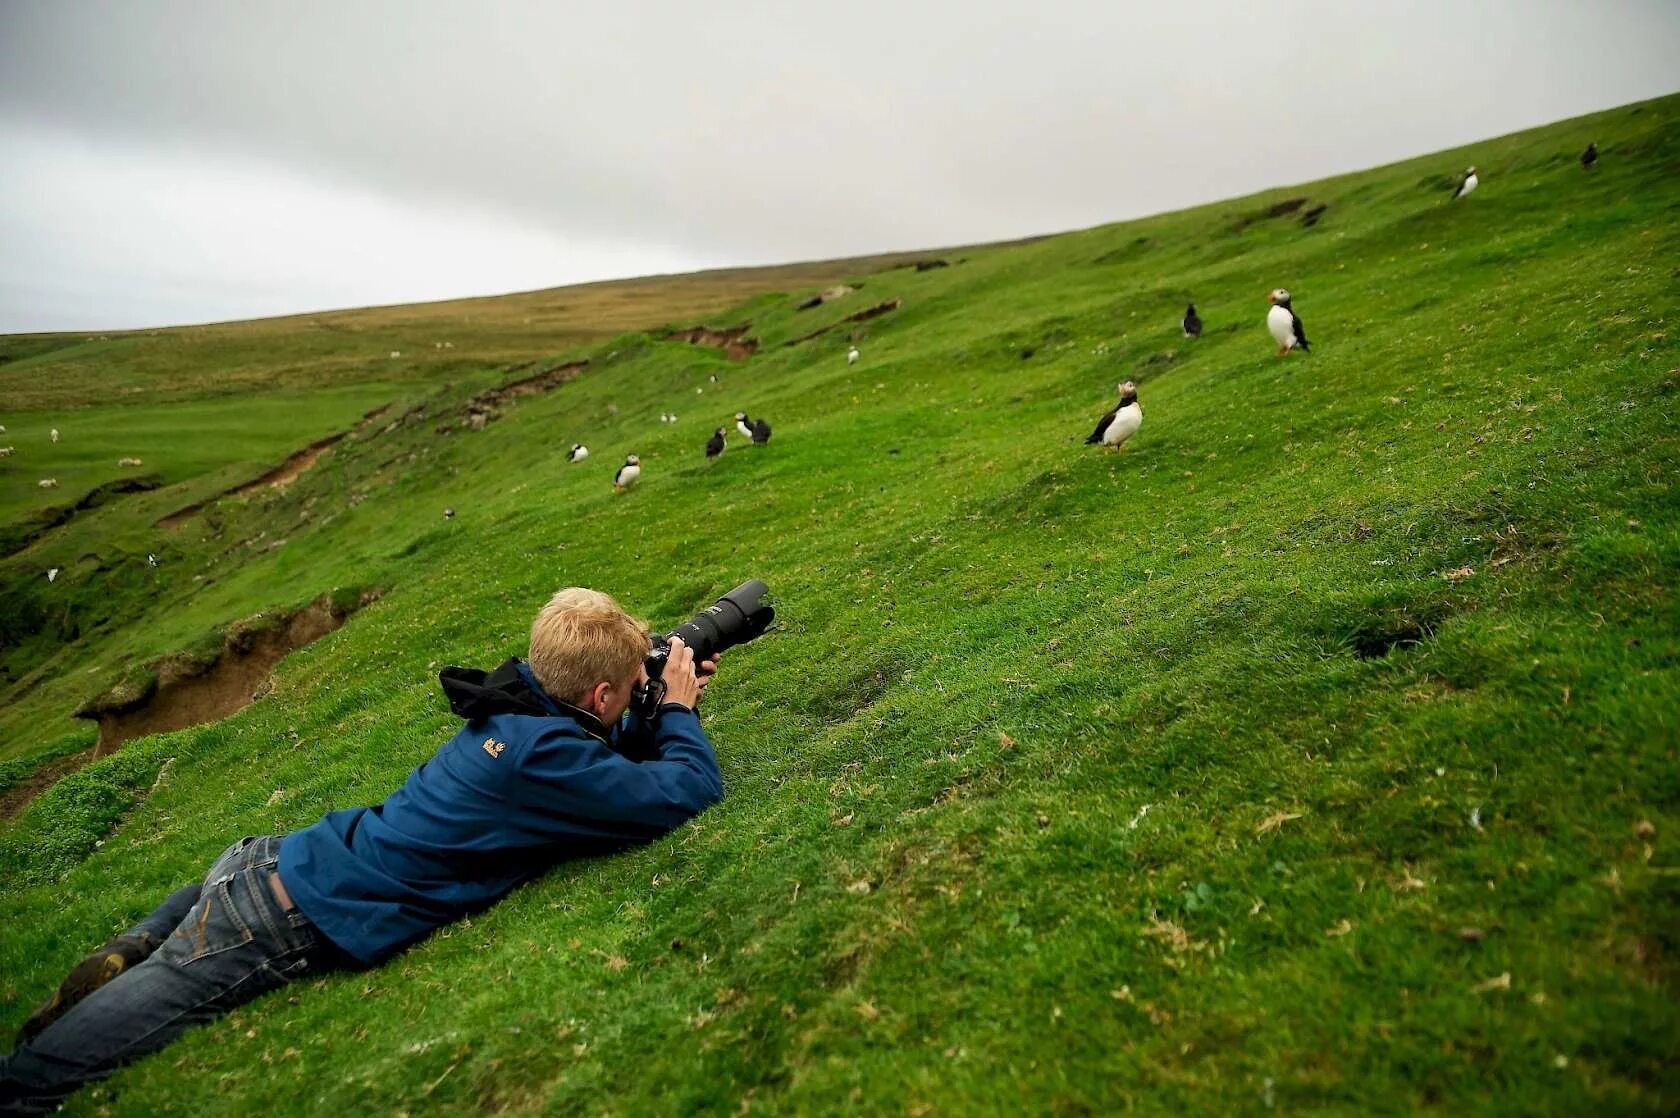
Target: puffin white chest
x=1470, y=183
x=1281, y=322
x=1125, y=425
x=741, y=426
x=628, y=474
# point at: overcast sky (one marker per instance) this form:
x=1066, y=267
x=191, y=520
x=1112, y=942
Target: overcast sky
x=181, y=162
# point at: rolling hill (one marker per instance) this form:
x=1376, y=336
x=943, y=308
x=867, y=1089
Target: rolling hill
x=1317, y=751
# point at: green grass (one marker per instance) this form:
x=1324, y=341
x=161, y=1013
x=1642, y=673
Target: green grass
x=1172, y=779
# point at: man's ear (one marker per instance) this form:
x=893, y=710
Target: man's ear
x=597, y=698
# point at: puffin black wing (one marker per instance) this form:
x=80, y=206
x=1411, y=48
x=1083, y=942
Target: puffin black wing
x=1102, y=425
x=761, y=431
x=1300, y=332
x=714, y=446
x=1192, y=323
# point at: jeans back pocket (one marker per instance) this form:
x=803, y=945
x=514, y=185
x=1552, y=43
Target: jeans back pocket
x=214, y=925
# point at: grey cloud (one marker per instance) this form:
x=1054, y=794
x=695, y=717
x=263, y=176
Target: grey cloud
x=754, y=132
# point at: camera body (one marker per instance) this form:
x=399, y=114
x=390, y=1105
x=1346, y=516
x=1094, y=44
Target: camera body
x=739, y=616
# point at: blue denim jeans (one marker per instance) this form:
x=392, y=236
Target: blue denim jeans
x=221, y=944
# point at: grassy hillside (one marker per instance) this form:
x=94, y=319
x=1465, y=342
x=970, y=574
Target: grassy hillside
x=1317, y=751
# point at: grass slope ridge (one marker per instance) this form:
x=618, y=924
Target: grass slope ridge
x=1316, y=752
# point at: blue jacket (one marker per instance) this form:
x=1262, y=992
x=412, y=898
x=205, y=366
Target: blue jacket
x=506, y=798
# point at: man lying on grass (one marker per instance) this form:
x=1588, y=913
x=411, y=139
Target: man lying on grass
x=549, y=767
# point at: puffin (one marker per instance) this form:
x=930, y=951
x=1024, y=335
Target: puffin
x=448, y=514
x=1465, y=187
x=1590, y=156
x=664, y=417
x=578, y=454
x=852, y=356
x=1192, y=322
x=743, y=425
x=1122, y=421
x=760, y=431
x=627, y=473
x=715, y=444
x=54, y=434
x=1285, y=324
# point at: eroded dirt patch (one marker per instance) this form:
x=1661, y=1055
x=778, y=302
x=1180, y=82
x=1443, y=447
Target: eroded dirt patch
x=732, y=340
x=16, y=798
x=16, y=537
x=182, y=690
x=280, y=476
x=864, y=315
x=1285, y=208
x=487, y=406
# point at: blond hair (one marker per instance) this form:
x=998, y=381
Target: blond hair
x=581, y=638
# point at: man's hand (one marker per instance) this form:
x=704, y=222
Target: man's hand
x=705, y=672
x=682, y=686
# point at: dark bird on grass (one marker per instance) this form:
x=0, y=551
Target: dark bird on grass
x=1590, y=156
x=627, y=473
x=449, y=514
x=743, y=425
x=1121, y=423
x=760, y=432
x=578, y=454
x=1468, y=183
x=1285, y=324
x=715, y=444
x=1192, y=322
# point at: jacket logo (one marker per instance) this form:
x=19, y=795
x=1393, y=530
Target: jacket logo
x=494, y=747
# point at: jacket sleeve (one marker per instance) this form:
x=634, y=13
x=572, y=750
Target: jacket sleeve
x=618, y=797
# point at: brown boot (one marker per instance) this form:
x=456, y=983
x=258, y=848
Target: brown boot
x=86, y=977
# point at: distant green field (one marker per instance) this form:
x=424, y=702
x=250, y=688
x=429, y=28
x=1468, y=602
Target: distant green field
x=1317, y=752
x=177, y=442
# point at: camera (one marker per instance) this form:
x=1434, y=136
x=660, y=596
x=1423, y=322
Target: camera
x=739, y=616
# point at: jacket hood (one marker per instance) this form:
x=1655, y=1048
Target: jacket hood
x=510, y=688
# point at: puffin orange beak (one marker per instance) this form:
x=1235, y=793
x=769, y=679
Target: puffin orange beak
x=1270, y=298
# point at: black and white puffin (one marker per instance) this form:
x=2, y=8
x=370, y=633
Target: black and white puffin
x=743, y=425
x=578, y=454
x=1590, y=156
x=1285, y=324
x=1467, y=184
x=627, y=473
x=715, y=444
x=1192, y=322
x=852, y=356
x=760, y=431
x=1121, y=423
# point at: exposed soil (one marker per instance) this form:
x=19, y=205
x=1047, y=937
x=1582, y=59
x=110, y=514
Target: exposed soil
x=16, y=798
x=1282, y=209
x=838, y=291
x=865, y=315
x=930, y=265
x=732, y=340
x=487, y=405
x=16, y=537
x=187, y=692
x=280, y=476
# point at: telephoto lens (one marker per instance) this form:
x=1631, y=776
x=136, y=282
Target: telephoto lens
x=736, y=618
